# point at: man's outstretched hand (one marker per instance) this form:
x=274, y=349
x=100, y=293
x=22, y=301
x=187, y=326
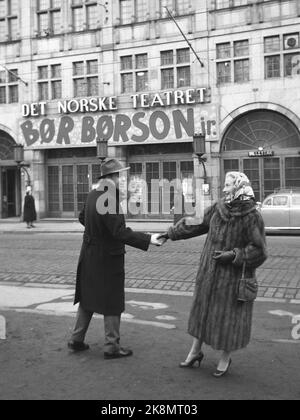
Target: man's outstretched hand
x=158, y=239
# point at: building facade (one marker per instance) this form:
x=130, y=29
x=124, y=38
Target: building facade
x=75, y=71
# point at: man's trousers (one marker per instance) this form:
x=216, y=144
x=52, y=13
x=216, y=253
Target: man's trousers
x=111, y=328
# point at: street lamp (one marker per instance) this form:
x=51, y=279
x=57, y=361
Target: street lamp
x=19, y=158
x=102, y=149
x=199, y=150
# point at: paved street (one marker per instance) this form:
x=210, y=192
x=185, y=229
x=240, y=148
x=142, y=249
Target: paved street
x=35, y=363
x=37, y=274
x=51, y=258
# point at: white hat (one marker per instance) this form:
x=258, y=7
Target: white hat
x=28, y=188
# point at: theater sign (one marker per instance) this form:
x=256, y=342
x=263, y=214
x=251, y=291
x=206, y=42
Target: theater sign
x=164, y=117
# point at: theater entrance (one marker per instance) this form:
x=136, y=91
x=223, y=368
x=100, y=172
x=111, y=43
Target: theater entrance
x=265, y=146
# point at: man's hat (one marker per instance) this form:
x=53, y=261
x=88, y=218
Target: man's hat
x=111, y=166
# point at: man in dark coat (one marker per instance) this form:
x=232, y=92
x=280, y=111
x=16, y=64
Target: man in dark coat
x=100, y=272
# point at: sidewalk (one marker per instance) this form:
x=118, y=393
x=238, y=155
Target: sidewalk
x=14, y=225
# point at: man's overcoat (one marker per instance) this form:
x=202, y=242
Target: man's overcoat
x=216, y=317
x=100, y=272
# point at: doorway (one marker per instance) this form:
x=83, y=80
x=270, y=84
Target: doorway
x=161, y=177
x=9, y=196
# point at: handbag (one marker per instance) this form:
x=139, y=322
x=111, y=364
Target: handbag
x=247, y=288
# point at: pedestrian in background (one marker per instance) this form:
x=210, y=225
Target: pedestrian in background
x=100, y=272
x=29, y=212
x=236, y=236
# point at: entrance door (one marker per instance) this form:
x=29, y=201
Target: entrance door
x=9, y=193
x=161, y=179
x=264, y=174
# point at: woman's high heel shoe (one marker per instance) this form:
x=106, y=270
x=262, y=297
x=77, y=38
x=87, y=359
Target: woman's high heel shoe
x=195, y=359
x=220, y=373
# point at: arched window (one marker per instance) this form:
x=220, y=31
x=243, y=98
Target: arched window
x=6, y=146
x=263, y=128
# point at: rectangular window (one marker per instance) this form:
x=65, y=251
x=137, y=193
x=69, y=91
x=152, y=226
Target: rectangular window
x=53, y=189
x=92, y=16
x=141, y=10
x=229, y=65
x=183, y=77
x=126, y=11
x=241, y=48
x=49, y=17
x=134, y=73
x=9, y=20
x=292, y=64
x=167, y=58
x=223, y=51
x=68, y=189
x=85, y=78
x=167, y=79
x=49, y=82
x=84, y=15
x=126, y=63
x=180, y=7
x=183, y=56
x=175, y=75
x=241, y=71
x=127, y=82
x=287, y=57
x=222, y=4
x=2, y=94
x=9, y=86
x=224, y=72
x=272, y=44
x=292, y=172
x=141, y=81
x=272, y=66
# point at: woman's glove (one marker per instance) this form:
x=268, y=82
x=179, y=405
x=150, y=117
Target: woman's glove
x=224, y=257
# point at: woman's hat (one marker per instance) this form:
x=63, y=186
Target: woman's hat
x=112, y=166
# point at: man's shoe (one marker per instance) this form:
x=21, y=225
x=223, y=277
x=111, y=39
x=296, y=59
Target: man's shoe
x=117, y=355
x=78, y=346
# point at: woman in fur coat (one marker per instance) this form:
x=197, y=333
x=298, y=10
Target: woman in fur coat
x=235, y=235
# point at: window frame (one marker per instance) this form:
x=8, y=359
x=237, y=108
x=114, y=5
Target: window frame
x=48, y=81
x=8, y=86
x=6, y=19
x=175, y=66
x=282, y=54
x=229, y=57
x=85, y=5
x=49, y=12
x=86, y=76
x=133, y=73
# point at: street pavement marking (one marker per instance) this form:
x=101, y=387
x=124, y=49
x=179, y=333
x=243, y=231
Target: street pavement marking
x=165, y=318
x=68, y=314
x=284, y=313
x=2, y=328
x=147, y=305
x=287, y=341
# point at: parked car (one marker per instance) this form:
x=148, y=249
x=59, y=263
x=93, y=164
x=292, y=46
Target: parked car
x=281, y=212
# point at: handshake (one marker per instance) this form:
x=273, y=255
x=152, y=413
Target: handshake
x=159, y=239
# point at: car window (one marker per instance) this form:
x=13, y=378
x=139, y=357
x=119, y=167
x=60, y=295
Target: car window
x=268, y=202
x=280, y=200
x=296, y=201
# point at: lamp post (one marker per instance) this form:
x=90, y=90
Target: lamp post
x=19, y=158
x=102, y=148
x=199, y=150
